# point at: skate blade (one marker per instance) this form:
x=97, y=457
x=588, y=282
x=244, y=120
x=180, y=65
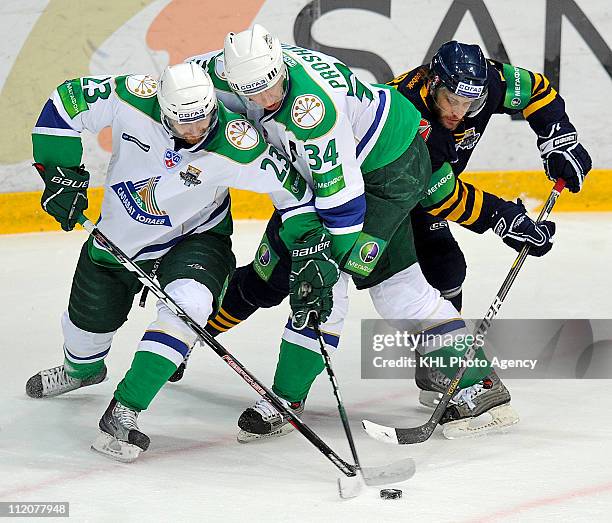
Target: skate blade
x=493, y=420
x=113, y=448
x=248, y=437
x=429, y=398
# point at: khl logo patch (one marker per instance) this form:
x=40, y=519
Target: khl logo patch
x=172, y=158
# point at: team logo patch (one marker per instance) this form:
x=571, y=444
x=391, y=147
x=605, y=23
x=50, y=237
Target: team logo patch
x=468, y=139
x=141, y=85
x=138, y=198
x=424, y=128
x=369, y=252
x=171, y=158
x=241, y=134
x=191, y=176
x=307, y=111
x=263, y=254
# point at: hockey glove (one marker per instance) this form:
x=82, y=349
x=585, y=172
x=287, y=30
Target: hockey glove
x=65, y=194
x=563, y=156
x=313, y=274
x=511, y=223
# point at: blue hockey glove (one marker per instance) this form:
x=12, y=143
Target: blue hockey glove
x=563, y=156
x=512, y=224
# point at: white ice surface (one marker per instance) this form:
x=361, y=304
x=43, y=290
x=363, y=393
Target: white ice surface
x=554, y=465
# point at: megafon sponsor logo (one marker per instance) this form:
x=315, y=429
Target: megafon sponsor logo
x=369, y=252
x=264, y=254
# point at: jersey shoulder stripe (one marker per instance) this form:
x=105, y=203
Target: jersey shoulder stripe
x=50, y=118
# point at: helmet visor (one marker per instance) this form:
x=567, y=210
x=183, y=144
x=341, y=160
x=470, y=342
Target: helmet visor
x=270, y=98
x=259, y=85
x=469, y=105
x=192, y=132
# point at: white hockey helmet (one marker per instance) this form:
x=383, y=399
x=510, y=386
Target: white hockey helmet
x=253, y=60
x=186, y=95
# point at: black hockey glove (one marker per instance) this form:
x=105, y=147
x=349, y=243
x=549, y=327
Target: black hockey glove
x=65, y=194
x=313, y=274
x=563, y=156
x=511, y=222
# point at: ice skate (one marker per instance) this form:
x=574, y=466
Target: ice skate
x=120, y=438
x=481, y=408
x=55, y=381
x=262, y=421
x=431, y=383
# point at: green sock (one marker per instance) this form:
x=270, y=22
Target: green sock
x=82, y=371
x=147, y=375
x=297, y=368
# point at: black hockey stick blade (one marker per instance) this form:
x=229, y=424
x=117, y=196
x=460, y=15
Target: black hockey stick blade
x=398, y=436
x=403, y=436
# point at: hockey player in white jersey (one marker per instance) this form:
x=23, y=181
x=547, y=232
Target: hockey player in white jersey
x=358, y=147
x=176, y=151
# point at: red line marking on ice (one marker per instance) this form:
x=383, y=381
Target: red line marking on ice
x=113, y=466
x=117, y=467
x=542, y=502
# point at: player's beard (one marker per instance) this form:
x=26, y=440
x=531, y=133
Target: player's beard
x=445, y=121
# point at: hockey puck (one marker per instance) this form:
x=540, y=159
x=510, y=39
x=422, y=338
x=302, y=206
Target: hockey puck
x=391, y=493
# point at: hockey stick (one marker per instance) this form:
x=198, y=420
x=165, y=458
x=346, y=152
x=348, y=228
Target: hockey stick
x=372, y=476
x=344, y=467
x=423, y=432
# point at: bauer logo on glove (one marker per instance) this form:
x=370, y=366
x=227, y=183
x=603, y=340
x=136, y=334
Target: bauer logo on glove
x=512, y=224
x=65, y=193
x=313, y=274
x=564, y=157
x=299, y=253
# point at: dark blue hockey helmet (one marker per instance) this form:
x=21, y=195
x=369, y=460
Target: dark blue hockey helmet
x=462, y=69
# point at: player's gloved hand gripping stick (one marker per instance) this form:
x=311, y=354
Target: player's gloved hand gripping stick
x=423, y=432
x=374, y=476
x=391, y=473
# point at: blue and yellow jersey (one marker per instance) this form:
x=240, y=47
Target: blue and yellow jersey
x=511, y=90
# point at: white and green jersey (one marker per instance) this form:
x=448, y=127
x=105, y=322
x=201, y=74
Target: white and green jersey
x=334, y=127
x=156, y=193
